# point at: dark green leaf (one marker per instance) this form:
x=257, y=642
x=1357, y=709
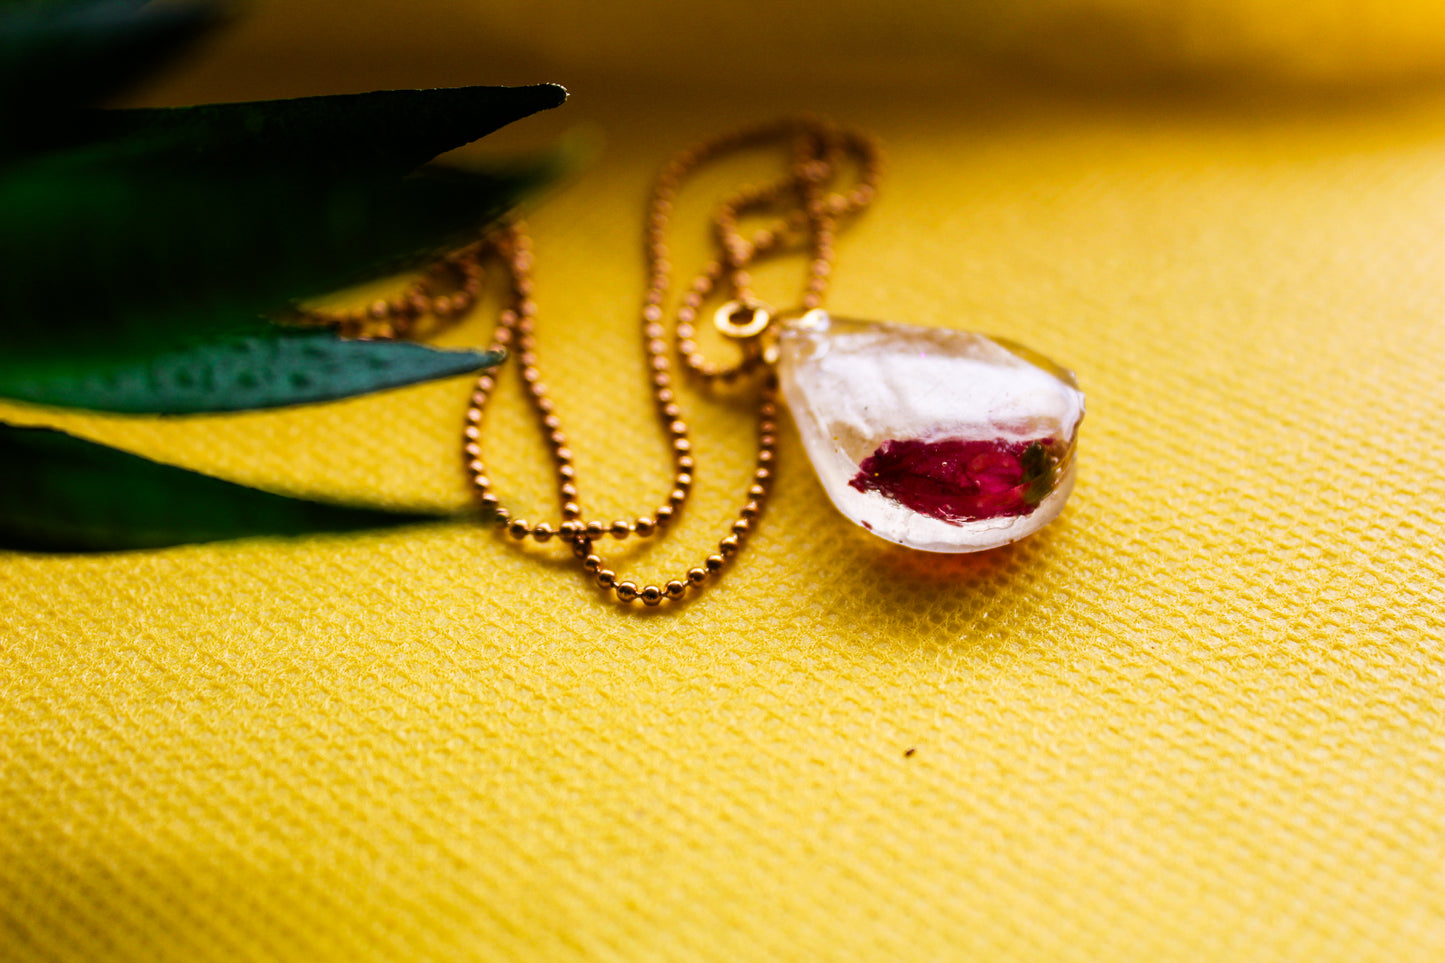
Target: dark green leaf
x=137, y=239
x=59, y=493
x=64, y=54
x=269, y=369
x=101, y=270
x=384, y=131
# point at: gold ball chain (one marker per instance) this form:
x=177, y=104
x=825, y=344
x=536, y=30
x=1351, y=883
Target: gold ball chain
x=402, y=317
x=819, y=151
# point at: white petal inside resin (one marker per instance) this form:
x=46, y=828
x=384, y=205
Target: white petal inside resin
x=940, y=440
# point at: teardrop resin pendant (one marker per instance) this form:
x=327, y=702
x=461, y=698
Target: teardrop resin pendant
x=940, y=440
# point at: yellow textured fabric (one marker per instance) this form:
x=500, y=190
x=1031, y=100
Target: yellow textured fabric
x=1197, y=718
x=1323, y=42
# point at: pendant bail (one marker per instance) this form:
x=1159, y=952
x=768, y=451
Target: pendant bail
x=742, y=320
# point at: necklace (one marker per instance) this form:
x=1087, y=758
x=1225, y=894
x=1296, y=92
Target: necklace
x=937, y=439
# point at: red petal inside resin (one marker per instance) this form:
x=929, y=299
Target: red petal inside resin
x=961, y=481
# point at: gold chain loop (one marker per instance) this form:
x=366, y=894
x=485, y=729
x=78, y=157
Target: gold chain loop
x=806, y=214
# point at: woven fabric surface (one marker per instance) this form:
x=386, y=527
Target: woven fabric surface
x=1199, y=717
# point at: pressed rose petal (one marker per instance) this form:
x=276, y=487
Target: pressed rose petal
x=953, y=480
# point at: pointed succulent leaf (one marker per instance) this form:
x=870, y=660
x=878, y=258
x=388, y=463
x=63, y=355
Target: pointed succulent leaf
x=270, y=368
x=97, y=263
x=60, y=493
x=382, y=131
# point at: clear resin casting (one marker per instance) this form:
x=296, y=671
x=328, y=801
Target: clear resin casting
x=940, y=440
